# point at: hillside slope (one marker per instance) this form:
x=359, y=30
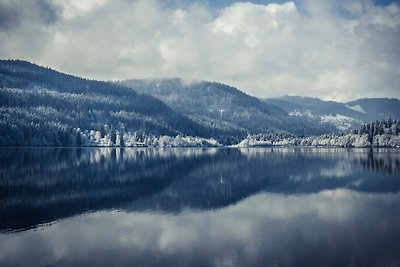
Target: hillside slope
x=377, y=108
x=218, y=105
x=345, y=116
x=40, y=106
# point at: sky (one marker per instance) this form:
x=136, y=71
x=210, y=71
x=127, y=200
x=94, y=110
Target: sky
x=333, y=49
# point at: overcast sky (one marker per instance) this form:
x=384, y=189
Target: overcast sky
x=332, y=49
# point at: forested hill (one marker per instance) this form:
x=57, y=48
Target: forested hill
x=377, y=108
x=40, y=106
x=43, y=107
x=224, y=107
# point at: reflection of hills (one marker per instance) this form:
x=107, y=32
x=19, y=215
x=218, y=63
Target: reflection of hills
x=44, y=185
x=231, y=175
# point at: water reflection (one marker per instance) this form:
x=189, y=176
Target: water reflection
x=44, y=185
x=199, y=207
x=330, y=228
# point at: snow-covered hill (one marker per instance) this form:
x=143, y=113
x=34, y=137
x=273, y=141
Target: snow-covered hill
x=344, y=116
x=222, y=106
x=42, y=107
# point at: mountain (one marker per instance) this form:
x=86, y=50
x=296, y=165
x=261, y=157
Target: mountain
x=345, y=116
x=377, y=108
x=43, y=107
x=221, y=106
x=40, y=106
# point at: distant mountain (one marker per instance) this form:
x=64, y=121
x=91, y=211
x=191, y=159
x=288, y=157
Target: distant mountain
x=40, y=106
x=221, y=106
x=344, y=116
x=377, y=108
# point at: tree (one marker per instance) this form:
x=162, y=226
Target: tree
x=78, y=137
x=113, y=136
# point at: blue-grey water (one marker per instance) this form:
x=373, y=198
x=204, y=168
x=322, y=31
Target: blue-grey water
x=199, y=207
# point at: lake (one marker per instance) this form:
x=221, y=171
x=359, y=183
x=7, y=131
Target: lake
x=199, y=207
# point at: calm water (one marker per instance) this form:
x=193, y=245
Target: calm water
x=199, y=207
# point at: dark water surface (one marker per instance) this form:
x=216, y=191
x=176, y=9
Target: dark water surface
x=199, y=207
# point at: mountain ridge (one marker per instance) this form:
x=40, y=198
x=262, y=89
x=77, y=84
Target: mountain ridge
x=224, y=106
x=40, y=106
x=34, y=98
x=345, y=116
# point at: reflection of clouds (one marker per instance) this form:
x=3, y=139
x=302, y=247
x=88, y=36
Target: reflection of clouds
x=338, y=227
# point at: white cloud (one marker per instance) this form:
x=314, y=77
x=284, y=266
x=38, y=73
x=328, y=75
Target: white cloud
x=252, y=23
x=73, y=8
x=383, y=17
x=266, y=50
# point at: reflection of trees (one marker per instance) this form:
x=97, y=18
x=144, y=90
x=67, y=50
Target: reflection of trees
x=381, y=161
x=43, y=185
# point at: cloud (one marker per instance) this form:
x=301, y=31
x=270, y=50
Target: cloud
x=337, y=50
x=12, y=12
x=74, y=8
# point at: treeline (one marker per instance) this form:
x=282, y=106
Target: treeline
x=58, y=135
x=384, y=133
x=376, y=128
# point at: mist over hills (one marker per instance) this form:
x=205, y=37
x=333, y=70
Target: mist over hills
x=43, y=107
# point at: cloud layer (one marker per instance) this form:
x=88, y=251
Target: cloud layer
x=338, y=50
